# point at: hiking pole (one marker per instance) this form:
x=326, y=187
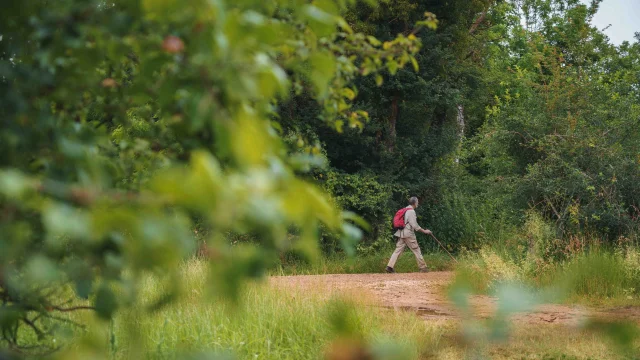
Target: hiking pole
x=442, y=246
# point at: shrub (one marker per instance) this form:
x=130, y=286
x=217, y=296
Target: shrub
x=365, y=195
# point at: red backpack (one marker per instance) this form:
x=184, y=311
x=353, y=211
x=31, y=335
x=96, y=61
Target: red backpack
x=398, y=219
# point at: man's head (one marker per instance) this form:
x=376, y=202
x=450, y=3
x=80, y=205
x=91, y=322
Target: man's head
x=413, y=202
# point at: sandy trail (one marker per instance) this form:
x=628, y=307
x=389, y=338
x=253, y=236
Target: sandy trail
x=425, y=294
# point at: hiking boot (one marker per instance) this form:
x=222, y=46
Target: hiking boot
x=390, y=270
x=425, y=270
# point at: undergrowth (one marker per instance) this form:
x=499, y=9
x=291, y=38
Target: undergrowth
x=580, y=269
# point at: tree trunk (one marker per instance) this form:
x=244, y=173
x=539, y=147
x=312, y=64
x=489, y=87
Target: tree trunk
x=393, y=119
x=460, y=125
x=479, y=21
x=461, y=121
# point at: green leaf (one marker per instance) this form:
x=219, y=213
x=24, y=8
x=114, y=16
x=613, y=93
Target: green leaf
x=414, y=62
x=322, y=71
x=392, y=66
x=374, y=41
x=379, y=79
x=61, y=220
x=343, y=318
x=234, y=267
x=82, y=277
x=459, y=294
x=514, y=298
x=105, y=302
x=321, y=20
x=14, y=184
x=339, y=126
x=351, y=236
x=41, y=270
x=349, y=94
x=348, y=215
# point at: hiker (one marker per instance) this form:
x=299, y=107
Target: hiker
x=407, y=237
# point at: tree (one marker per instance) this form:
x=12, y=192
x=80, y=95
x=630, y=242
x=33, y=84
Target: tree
x=559, y=132
x=413, y=125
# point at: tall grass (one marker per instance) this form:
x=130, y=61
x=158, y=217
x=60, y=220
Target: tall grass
x=269, y=323
x=280, y=321
x=594, y=276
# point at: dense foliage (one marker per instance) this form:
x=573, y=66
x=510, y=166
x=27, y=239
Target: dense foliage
x=125, y=124
x=517, y=107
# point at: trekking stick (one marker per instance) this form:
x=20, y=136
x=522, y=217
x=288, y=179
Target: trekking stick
x=442, y=246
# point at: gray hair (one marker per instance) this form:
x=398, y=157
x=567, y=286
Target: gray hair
x=413, y=200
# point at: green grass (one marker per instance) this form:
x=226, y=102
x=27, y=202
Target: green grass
x=291, y=323
x=595, y=277
x=362, y=264
x=267, y=324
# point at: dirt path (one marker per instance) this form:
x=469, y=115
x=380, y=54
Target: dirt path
x=425, y=295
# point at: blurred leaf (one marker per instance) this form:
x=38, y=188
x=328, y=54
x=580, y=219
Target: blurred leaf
x=358, y=220
x=322, y=15
x=233, y=266
x=379, y=80
x=323, y=68
x=393, y=67
x=82, y=276
x=514, y=298
x=105, y=302
x=41, y=270
x=390, y=350
x=250, y=146
x=459, y=292
x=414, y=62
x=208, y=356
x=351, y=236
x=14, y=184
x=62, y=220
x=623, y=333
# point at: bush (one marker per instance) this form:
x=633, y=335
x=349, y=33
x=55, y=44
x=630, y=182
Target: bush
x=365, y=195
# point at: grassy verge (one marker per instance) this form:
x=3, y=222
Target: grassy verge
x=268, y=324
x=554, y=342
x=597, y=277
x=289, y=323
x=362, y=264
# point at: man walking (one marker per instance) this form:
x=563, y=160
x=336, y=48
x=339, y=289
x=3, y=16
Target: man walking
x=407, y=237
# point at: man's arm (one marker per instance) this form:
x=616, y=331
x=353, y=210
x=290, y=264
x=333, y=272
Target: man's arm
x=413, y=221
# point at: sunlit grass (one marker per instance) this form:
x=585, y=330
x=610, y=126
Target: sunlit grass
x=596, y=277
x=299, y=323
x=272, y=321
x=268, y=323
